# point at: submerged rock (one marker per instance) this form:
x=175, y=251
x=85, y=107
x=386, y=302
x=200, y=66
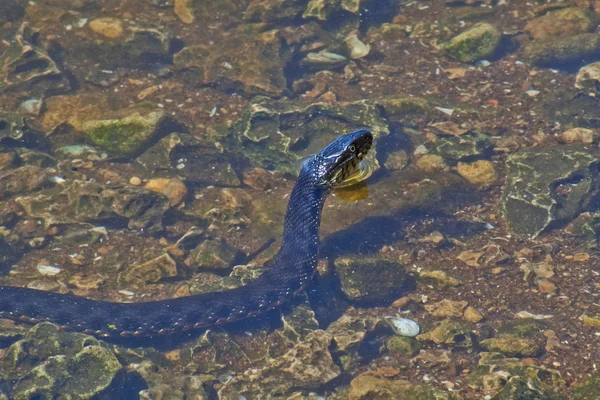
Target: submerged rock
x=24, y=65
x=308, y=365
x=544, y=186
x=471, y=144
x=589, y=389
x=125, y=136
x=212, y=254
x=11, y=125
x=561, y=23
x=47, y=363
x=25, y=179
x=80, y=201
x=512, y=345
x=588, y=78
x=192, y=160
x=274, y=10
x=370, y=279
x=563, y=50
x=367, y=387
x=253, y=64
x=479, y=42
x=276, y=134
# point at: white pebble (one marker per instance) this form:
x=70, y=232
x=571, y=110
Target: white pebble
x=403, y=326
x=48, y=270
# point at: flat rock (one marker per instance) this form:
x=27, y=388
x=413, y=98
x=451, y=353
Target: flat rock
x=544, y=186
x=370, y=279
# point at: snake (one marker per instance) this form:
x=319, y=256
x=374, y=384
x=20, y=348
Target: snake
x=290, y=272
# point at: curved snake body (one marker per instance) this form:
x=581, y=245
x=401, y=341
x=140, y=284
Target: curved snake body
x=292, y=269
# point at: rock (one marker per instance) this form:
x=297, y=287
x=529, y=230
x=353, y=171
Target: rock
x=457, y=148
x=438, y=278
x=511, y=345
x=174, y=189
x=164, y=385
x=74, y=110
x=11, y=125
x=447, y=308
x=25, y=179
x=273, y=10
x=479, y=42
x=135, y=181
x=472, y=315
x=111, y=28
x=252, y=64
x=524, y=327
x=448, y=332
x=404, y=346
x=561, y=23
x=308, y=365
x=370, y=279
x=153, y=271
x=562, y=50
x=578, y=135
x=24, y=66
x=323, y=60
x=356, y=47
x=192, y=160
x=7, y=161
x=348, y=333
x=367, y=387
x=47, y=363
x=589, y=389
x=212, y=254
x=136, y=47
x=203, y=12
x=494, y=372
x=520, y=388
x=397, y=160
x=480, y=173
x=222, y=207
x=471, y=258
x=11, y=11
x=591, y=321
x=548, y=186
x=125, y=136
x=269, y=132
x=80, y=201
x=431, y=163
x=401, y=106
x=588, y=78
x=403, y=326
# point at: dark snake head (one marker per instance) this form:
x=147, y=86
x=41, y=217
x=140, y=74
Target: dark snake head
x=340, y=159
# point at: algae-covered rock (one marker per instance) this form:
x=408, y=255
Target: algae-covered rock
x=561, y=23
x=367, y=387
x=494, y=372
x=512, y=345
x=370, y=279
x=48, y=362
x=125, y=136
x=476, y=43
x=518, y=388
x=81, y=201
x=190, y=159
x=449, y=331
x=277, y=134
x=589, y=389
x=320, y=9
x=163, y=385
x=406, y=346
x=545, y=186
x=563, y=50
x=153, y=271
x=308, y=365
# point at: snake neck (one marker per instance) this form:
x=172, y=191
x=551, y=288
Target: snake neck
x=300, y=239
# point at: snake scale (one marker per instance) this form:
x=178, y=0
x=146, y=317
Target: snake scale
x=292, y=269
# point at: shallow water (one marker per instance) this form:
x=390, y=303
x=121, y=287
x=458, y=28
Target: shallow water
x=148, y=149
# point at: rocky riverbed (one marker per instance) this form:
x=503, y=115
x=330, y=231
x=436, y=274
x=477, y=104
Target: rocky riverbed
x=148, y=148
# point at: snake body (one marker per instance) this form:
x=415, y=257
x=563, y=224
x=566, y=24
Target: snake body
x=292, y=269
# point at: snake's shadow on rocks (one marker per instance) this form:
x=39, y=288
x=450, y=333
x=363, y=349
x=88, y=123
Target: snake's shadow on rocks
x=366, y=238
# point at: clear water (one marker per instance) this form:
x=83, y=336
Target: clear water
x=476, y=208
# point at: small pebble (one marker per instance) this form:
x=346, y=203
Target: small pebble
x=403, y=326
x=135, y=181
x=48, y=270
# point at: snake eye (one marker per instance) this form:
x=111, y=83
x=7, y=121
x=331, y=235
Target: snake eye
x=352, y=148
